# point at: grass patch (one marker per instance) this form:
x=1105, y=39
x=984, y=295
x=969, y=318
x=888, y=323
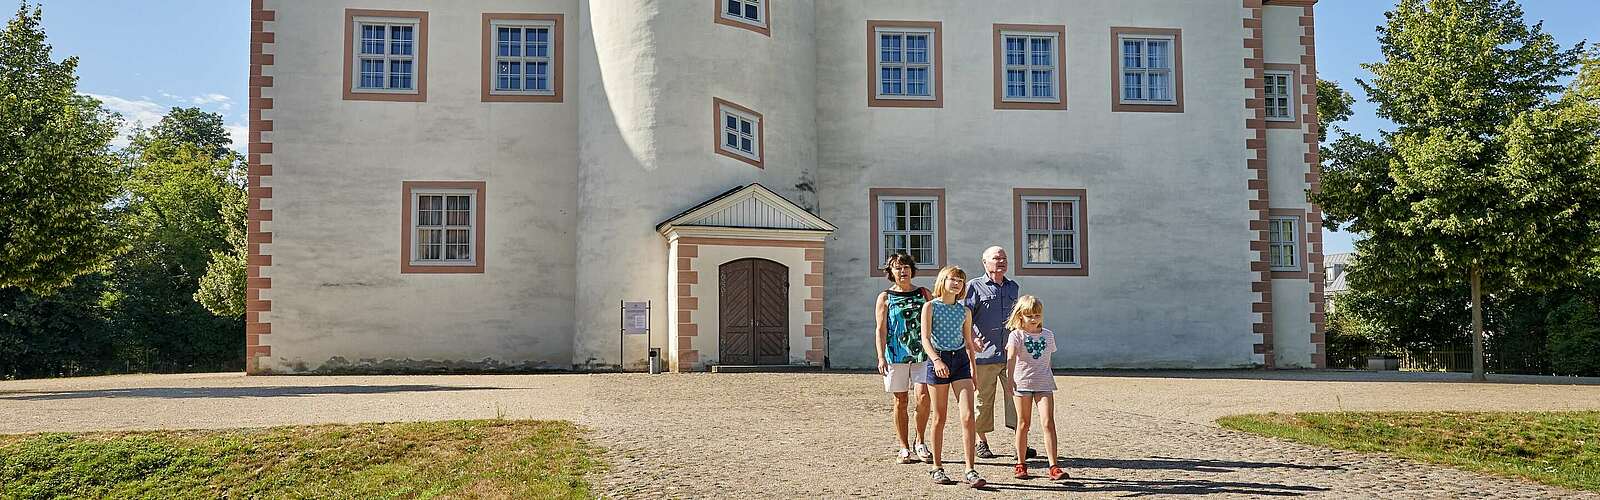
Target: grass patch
x=1555, y=448
x=454, y=459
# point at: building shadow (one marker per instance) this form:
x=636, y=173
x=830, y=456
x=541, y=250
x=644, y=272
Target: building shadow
x=233, y=392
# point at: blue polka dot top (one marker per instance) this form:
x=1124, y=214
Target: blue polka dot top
x=947, y=322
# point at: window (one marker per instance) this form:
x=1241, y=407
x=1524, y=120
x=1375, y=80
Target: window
x=1281, y=84
x=1028, y=64
x=522, y=57
x=738, y=134
x=904, y=62
x=910, y=221
x=387, y=53
x=1050, y=231
x=908, y=227
x=1285, y=248
x=1279, y=105
x=1284, y=243
x=444, y=227
x=1147, y=70
x=748, y=14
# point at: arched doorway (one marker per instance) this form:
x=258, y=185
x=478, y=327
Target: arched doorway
x=753, y=298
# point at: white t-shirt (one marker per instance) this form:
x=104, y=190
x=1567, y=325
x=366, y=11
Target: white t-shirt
x=1032, y=370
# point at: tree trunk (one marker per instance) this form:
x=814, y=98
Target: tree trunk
x=1477, y=328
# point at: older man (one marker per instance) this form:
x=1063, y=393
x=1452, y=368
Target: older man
x=990, y=297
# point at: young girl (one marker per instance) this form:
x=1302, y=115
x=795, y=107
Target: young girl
x=901, y=359
x=947, y=338
x=1028, y=360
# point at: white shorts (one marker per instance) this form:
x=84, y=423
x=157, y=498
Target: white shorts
x=902, y=375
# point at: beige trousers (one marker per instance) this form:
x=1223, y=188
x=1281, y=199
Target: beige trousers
x=986, y=377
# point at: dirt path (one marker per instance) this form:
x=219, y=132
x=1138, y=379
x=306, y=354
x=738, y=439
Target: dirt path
x=827, y=435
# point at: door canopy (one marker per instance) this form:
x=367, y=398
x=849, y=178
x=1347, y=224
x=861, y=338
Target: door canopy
x=751, y=211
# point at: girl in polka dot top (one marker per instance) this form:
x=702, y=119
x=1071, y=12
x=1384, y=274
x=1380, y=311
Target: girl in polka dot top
x=947, y=338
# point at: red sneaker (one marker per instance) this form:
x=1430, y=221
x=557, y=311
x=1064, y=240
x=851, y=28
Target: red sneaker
x=1022, y=472
x=1056, y=474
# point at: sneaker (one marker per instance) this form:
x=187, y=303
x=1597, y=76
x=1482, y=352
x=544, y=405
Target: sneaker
x=905, y=456
x=974, y=480
x=939, y=477
x=983, y=450
x=1056, y=474
x=923, y=452
x=1021, y=472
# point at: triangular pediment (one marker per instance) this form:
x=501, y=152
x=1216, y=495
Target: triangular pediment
x=749, y=207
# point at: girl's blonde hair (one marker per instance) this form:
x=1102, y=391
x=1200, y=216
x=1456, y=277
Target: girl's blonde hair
x=939, y=287
x=1026, y=304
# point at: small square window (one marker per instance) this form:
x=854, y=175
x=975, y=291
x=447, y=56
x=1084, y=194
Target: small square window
x=747, y=14
x=739, y=132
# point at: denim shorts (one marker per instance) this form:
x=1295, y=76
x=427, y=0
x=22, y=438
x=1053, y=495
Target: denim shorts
x=958, y=363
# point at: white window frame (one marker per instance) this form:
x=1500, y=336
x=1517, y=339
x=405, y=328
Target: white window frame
x=417, y=227
x=1287, y=95
x=761, y=12
x=388, y=59
x=1075, y=233
x=1171, y=71
x=724, y=112
x=885, y=210
x=1028, y=67
x=931, y=65
x=549, y=59
x=1278, y=246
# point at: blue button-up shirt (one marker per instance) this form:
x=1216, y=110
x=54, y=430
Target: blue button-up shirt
x=991, y=304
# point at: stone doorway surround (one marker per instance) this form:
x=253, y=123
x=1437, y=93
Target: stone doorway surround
x=744, y=222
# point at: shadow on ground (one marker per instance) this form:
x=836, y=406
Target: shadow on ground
x=1079, y=483
x=1334, y=376
x=236, y=392
x=1185, y=464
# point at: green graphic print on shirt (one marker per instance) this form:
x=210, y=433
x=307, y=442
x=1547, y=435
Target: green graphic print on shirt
x=1034, y=345
x=905, y=327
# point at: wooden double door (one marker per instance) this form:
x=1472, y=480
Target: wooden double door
x=753, y=307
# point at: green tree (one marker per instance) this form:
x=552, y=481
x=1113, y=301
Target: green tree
x=222, y=288
x=1487, y=179
x=1333, y=105
x=181, y=192
x=58, y=175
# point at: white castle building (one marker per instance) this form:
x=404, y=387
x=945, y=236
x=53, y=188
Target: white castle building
x=482, y=184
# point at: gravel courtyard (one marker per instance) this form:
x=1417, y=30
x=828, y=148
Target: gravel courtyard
x=826, y=435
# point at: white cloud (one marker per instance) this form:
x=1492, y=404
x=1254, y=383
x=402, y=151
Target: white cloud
x=135, y=113
x=239, y=133
x=147, y=113
x=210, y=98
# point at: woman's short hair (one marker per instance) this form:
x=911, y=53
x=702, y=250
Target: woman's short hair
x=899, y=258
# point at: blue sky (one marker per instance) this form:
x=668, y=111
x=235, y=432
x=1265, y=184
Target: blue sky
x=143, y=57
